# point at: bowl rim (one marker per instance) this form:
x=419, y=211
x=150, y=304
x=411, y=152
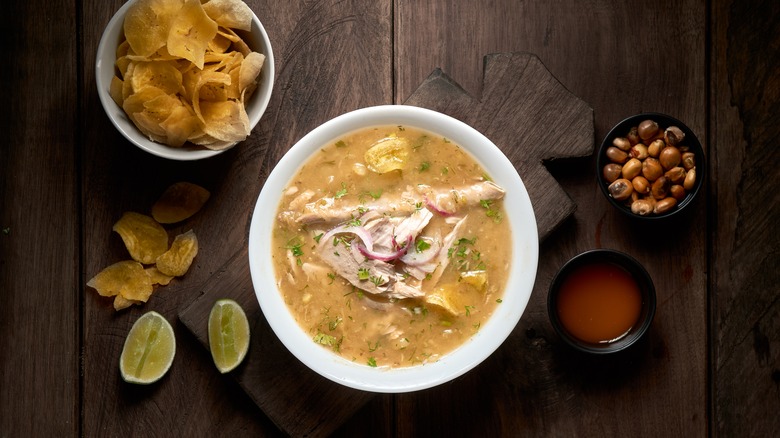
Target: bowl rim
x=105, y=58
x=619, y=130
x=627, y=262
x=490, y=336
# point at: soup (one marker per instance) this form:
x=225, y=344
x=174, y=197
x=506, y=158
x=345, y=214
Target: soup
x=390, y=247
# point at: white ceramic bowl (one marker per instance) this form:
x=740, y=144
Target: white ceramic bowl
x=525, y=250
x=257, y=40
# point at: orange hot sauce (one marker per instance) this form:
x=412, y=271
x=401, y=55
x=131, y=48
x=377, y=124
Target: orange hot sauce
x=599, y=303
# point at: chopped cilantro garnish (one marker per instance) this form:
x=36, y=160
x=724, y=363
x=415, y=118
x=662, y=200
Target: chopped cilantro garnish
x=465, y=241
x=342, y=192
x=491, y=212
x=295, y=246
x=318, y=237
x=445, y=170
x=340, y=144
x=363, y=274
x=331, y=341
x=420, y=142
x=332, y=277
x=422, y=245
x=425, y=165
x=466, y=255
x=376, y=280
x=499, y=300
x=375, y=195
x=373, y=349
x=332, y=324
x=469, y=309
x=372, y=362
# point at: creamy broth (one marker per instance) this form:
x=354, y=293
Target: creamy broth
x=396, y=268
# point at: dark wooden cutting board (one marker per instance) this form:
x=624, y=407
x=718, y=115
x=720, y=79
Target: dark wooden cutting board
x=527, y=113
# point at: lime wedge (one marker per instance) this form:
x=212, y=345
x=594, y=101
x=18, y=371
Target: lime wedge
x=149, y=349
x=228, y=334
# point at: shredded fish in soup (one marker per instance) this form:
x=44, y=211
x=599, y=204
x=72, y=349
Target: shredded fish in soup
x=390, y=246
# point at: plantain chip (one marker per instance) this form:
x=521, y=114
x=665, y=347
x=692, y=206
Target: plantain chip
x=190, y=33
x=177, y=260
x=126, y=278
x=179, y=202
x=144, y=238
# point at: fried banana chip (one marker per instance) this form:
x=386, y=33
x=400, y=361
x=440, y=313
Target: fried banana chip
x=126, y=278
x=161, y=74
x=158, y=277
x=179, y=202
x=177, y=260
x=148, y=23
x=388, y=154
x=144, y=238
x=190, y=33
x=121, y=302
x=230, y=13
x=249, y=71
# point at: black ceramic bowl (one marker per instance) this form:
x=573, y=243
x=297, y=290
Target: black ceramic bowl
x=640, y=276
x=664, y=121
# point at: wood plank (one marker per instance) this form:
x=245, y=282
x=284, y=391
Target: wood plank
x=533, y=385
x=39, y=219
x=745, y=315
x=310, y=88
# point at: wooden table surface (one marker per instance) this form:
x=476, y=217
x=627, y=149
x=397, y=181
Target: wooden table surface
x=709, y=366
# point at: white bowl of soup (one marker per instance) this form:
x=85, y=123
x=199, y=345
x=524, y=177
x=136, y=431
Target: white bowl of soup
x=393, y=248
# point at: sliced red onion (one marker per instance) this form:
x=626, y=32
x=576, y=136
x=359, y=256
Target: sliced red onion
x=418, y=258
x=360, y=232
x=385, y=256
x=434, y=207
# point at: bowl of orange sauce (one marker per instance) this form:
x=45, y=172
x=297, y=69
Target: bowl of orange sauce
x=601, y=301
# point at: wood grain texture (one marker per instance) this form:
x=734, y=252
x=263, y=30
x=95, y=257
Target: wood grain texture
x=66, y=175
x=39, y=221
x=605, y=53
x=746, y=244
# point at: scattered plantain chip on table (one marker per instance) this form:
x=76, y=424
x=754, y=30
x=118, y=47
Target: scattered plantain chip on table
x=154, y=263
